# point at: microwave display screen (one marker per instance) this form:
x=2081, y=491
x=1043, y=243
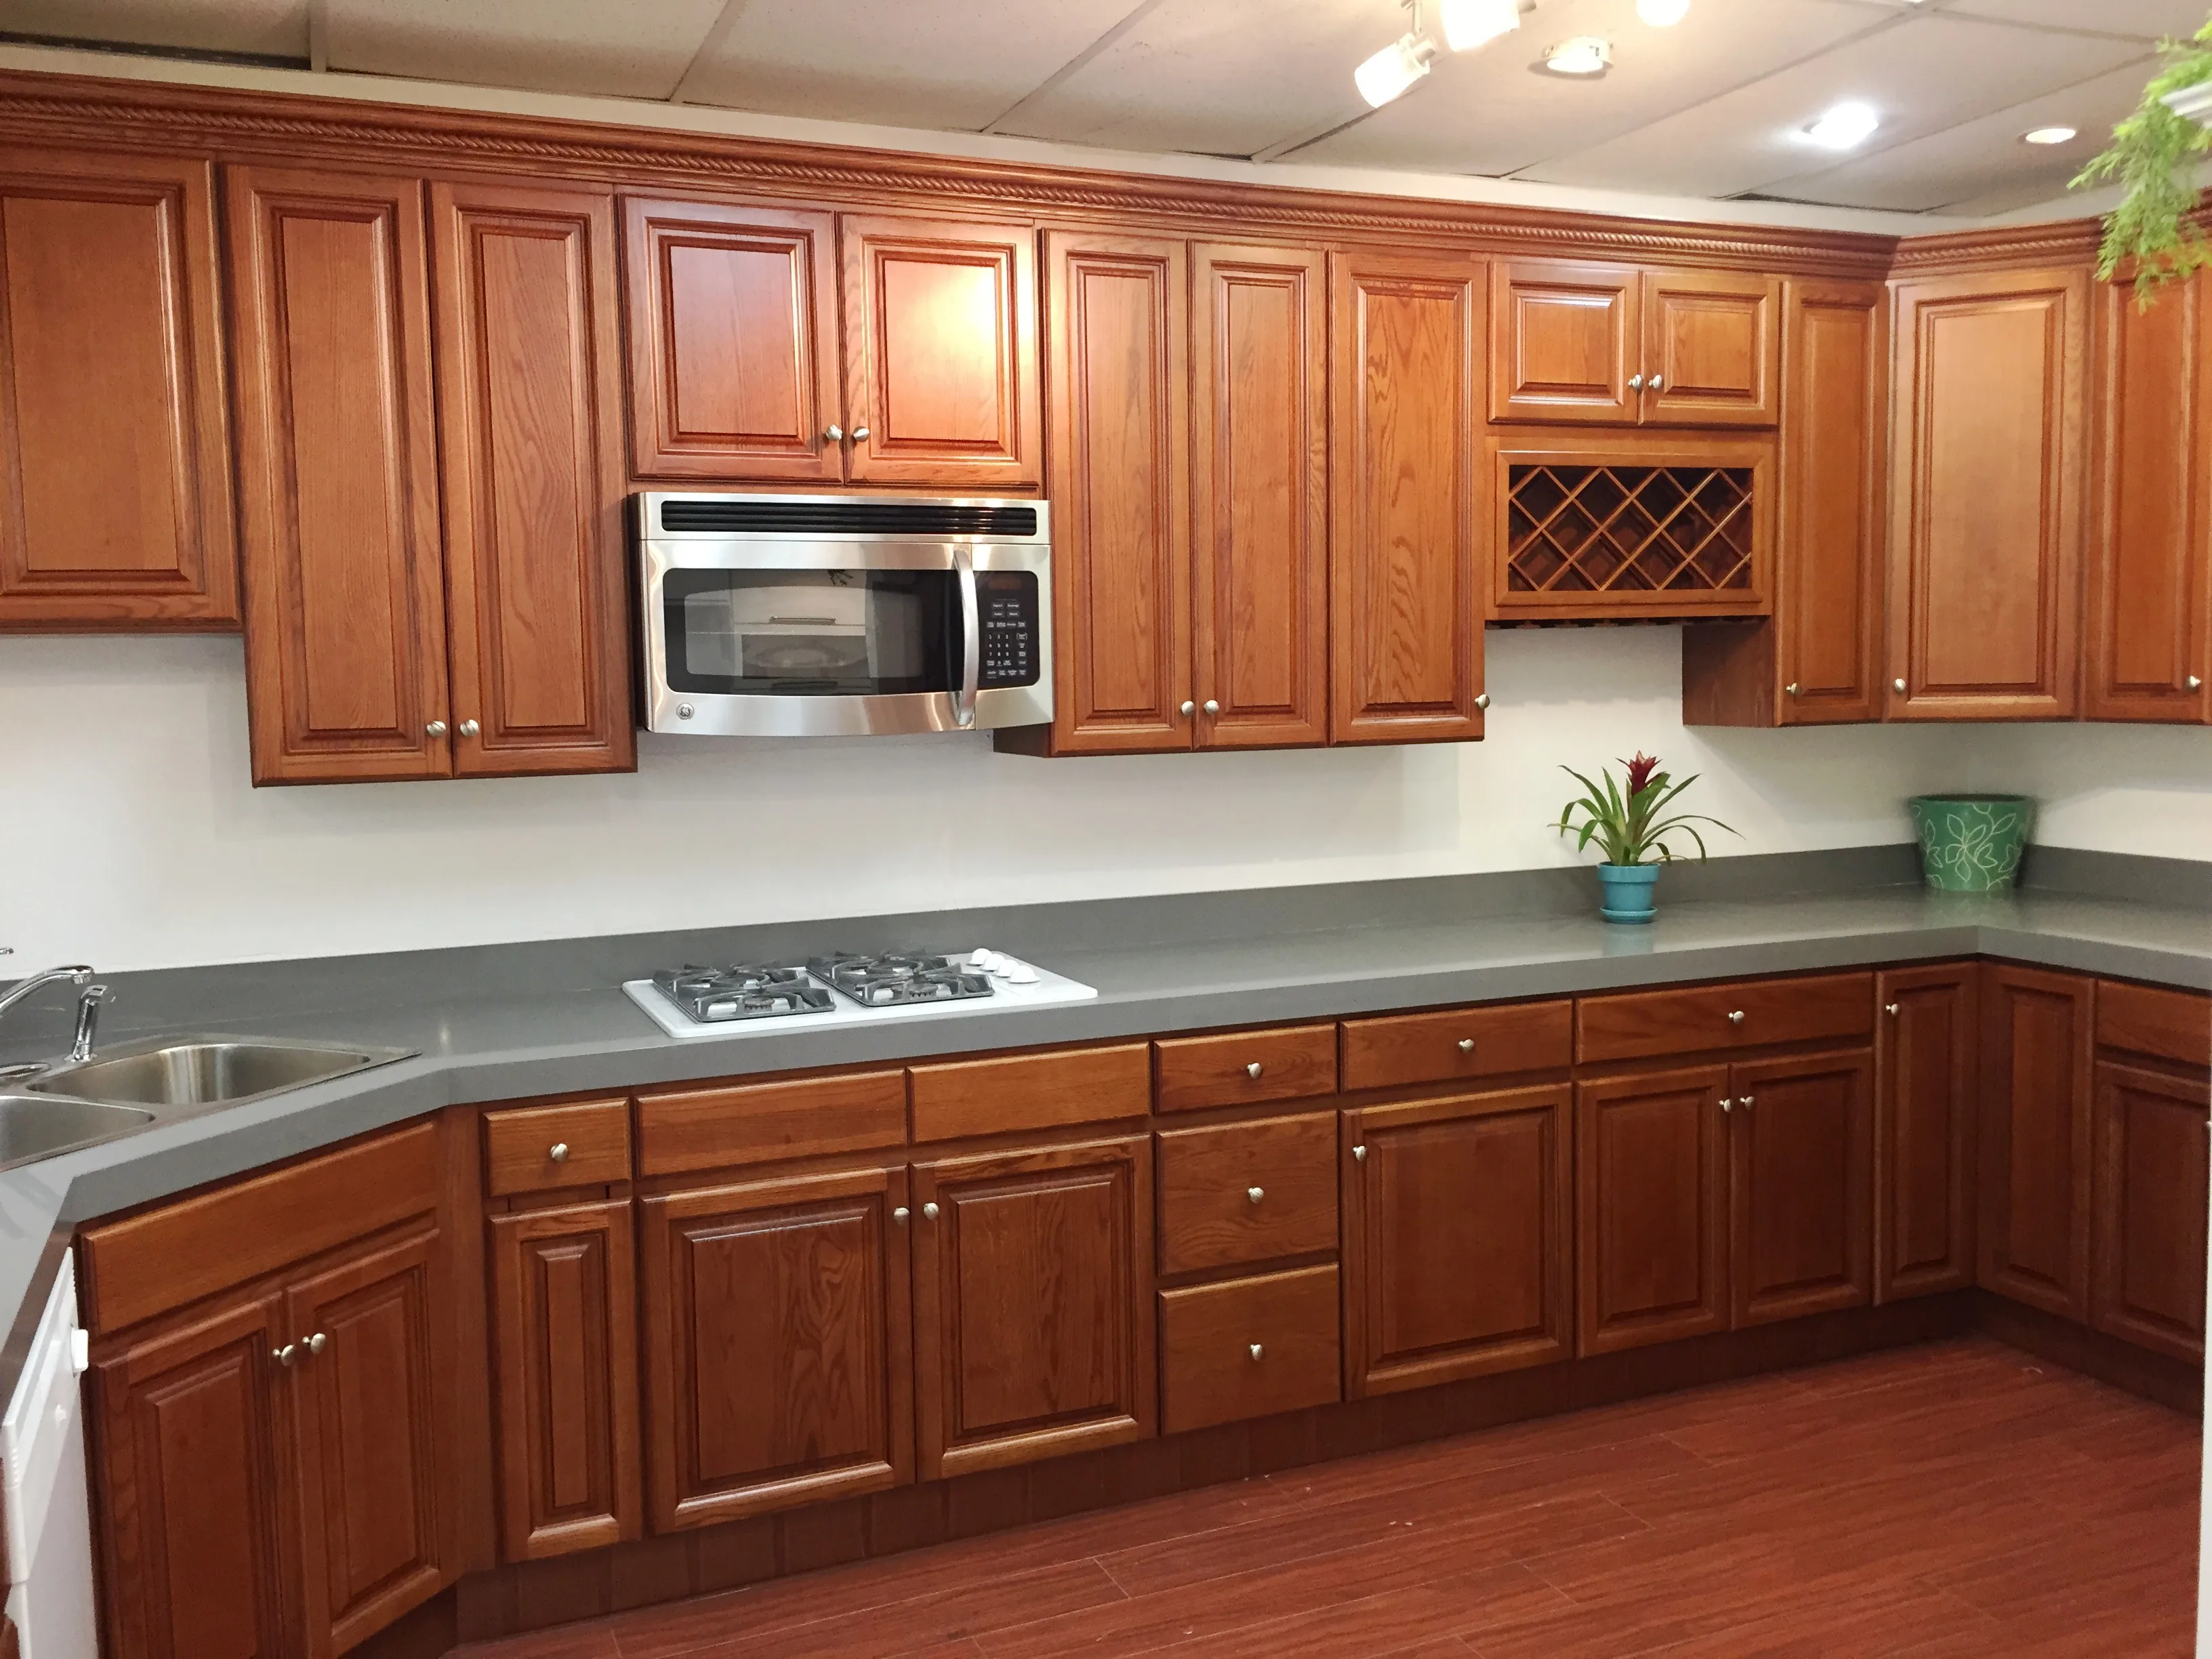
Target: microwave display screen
x=813, y=633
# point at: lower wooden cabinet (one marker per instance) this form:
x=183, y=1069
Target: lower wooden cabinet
x=2033, y=1216
x=1925, y=1106
x=1458, y=1228
x=1249, y=1347
x=2147, y=1224
x=1801, y=1185
x=1652, y=1210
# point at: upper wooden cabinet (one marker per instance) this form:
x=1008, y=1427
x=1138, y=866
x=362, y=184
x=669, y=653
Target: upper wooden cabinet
x=1406, y=602
x=115, y=501
x=2147, y=654
x=1987, y=489
x=1615, y=346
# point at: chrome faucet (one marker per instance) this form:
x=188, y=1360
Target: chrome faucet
x=88, y=1007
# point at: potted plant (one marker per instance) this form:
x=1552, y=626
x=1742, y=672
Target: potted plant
x=2153, y=154
x=1628, y=824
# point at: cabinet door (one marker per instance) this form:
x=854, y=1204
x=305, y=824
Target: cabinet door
x=374, y=1479
x=1033, y=1304
x=2148, y=1238
x=1119, y=337
x=2150, y=560
x=1458, y=1226
x=1259, y=463
x=733, y=365
x=1801, y=1185
x=345, y=637
x=115, y=507
x=2033, y=1223
x=1710, y=340
x=1925, y=1105
x=1652, y=1228
x=1987, y=493
x=1563, y=340
x=940, y=353
x=776, y=1345
x=1406, y=608
x=197, y=1557
x=565, y=1323
x=527, y=360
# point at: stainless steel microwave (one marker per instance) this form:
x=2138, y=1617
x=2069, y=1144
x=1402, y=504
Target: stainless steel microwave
x=825, y=616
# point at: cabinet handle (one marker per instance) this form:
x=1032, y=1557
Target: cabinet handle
x=1658, y=381
x=1636, y=383
x=558, y=1152
x=1467, y=1045
x=436, y=728
x=2195, y=683
x=285, y=1355
x=1727, y=1105
x=859, y=435
x=1359, y=1155
x=318, y=1342
x=835, y=434
x=1735, y=1015
x=1212, y=705
x=1256, y=1352
x=929, y=1212
x=1255, y=1193
x=1889, y=1008
x=1188, y=709
x=1254, y=1069
x=470, y=729
x=899, y=1215
x=1482, y=700
x=1790, y=689
x=1744, y=1101
x=1897, y=685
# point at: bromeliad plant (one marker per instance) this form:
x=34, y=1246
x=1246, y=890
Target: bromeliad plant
x=1628, y=824
x=2154, y=154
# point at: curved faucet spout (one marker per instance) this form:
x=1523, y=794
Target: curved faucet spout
x=76, y=974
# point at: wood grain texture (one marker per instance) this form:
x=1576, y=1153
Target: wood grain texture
x=518, y=1142
x=1295, y=1061
x=1651, y=1212
x=681, y=1130
x=1457, y=1044
x=1209, y=1370
x=1459, y=1237
x=529, y=367
x=115, y=495
x=2148, y=1200
x=1801, y=1185
x=2147, y=1019
x=1209, y=1214
x=2036, y=1139
x=1035, y=1091
x=1927, y=1103
x=1696, y=1019
x=1712, y=339
x=735, y=367
x=1564, y=339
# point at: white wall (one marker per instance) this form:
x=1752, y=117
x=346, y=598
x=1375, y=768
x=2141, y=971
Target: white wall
x=129, y=837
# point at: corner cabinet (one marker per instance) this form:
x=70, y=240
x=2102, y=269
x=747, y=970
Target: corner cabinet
x=2037, y=1143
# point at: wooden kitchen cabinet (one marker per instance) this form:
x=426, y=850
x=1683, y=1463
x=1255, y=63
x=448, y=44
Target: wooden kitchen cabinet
x=2037, y=1144
x=1033, y=1315
x=1652, y=1228
x=1406, y=601
x=1801, y=1185
x=1926, y=1105
x=115, y=480
x=2147, y=649
x=2149, y=1204
x=1987, y=488
x=777, y=1354
x=1709, y=354
x=1458, y=1238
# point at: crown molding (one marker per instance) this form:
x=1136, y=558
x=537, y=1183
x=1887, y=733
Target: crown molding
x=2067, y=242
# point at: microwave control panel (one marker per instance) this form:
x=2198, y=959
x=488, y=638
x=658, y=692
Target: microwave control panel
x=1006, y=604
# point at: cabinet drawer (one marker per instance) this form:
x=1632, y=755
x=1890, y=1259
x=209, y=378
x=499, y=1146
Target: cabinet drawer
x=1240, y=1068
x=1751, y=1015
x=1248, y=1348
x=2173, y=1026
x=1031, y=1091
x=1458, y=1043
x=681, y=1129
x=594, y=1136
x=1209, y=1217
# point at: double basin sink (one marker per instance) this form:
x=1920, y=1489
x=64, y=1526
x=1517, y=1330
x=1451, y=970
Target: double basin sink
x=75, y=1103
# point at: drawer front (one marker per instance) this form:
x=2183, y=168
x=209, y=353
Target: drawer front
x=685, y=1129
x=1754, y=1014
x=591, y=1138
x=2173, y=1026
x=1243, y=1068
x=1031, y=1091
x=1456, y=1044
x=1248, y=1348
x=1246, y=1192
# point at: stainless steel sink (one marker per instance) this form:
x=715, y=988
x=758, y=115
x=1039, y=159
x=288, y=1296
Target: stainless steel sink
x=31, y=1128
x=205, y=1072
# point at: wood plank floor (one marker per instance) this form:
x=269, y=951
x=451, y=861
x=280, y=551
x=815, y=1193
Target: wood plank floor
x=1960, y=1498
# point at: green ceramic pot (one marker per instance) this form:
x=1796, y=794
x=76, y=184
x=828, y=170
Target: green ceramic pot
x=1971, y=843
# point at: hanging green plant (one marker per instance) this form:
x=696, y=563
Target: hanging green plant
x=2154, y=155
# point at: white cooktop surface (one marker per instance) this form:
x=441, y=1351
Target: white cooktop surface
x=1047, y=988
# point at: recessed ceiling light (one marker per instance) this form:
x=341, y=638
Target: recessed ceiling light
x=1662, y=14
x=2049, y=135
x=1391, y=70
x=1844, y=127
x=1471, y=23
x=1585, y=54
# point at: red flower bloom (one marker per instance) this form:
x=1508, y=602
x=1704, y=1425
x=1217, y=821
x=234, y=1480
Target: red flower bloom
x=1640, y=771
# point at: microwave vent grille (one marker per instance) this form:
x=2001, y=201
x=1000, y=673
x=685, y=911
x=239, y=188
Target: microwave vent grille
x=738, y=516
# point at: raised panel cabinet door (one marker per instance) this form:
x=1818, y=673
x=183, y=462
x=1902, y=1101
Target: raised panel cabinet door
x=528, y=362
x=1926, y=1101
x=564, y=1318
x=1033, y=1318
x=1988, y=483
x=377, y=1458
x=1458, y=1238
x=2147, y=1250
x=1710, y=339
x=115, y=504
x=344, y=571
x=941, y=353
x=1651, y=1208
x=2150, y=650
x=1407, y=604
x=1118, y=334
x=1260, y=471
x=2036, y=1143
x=1801, y=1185
x=733, y=360
x=777, y=1356
x=189, y=1465
x=1563, y=340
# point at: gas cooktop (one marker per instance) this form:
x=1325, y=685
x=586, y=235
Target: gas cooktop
x=842, y=988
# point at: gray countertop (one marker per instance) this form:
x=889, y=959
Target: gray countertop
x=490, y=1027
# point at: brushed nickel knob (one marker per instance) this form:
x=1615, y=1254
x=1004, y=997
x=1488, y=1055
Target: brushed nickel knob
x=318, y=1342
x=558, y=1152
x=1359, y=1155
x=1735, y=1015
x=2195, y=683
x=1482, y=700
x=1897, y=685
x=1889, y=1007
x=1744, y=1101
x=1727, y=1105
x=1256, y=1352
x=899, y=1215
x=1188, y=709
x=1255, y=1193
x=1212, y=707
x=1252, y=1070
x=436, y=728
x=470, y=729
x=1467, y=1045
x=285, y=1355
x=1657, y=381
x=1636, y=383
x=835, y=434
x=859, y=435
x=1791, y=688
x=929, y=1212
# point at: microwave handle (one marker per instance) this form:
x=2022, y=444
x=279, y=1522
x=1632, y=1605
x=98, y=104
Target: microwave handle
x=971, y=640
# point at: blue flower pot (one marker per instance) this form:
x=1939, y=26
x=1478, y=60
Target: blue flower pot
x=1627, y=891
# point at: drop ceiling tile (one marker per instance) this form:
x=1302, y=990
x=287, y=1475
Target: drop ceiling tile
x=2145, y=20
x=547, y=45
x=898, y=63
x=1492, y=111
x=273, y=29
x=1923, y=73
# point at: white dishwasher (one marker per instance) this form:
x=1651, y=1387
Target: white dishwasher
x=50, y=1595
